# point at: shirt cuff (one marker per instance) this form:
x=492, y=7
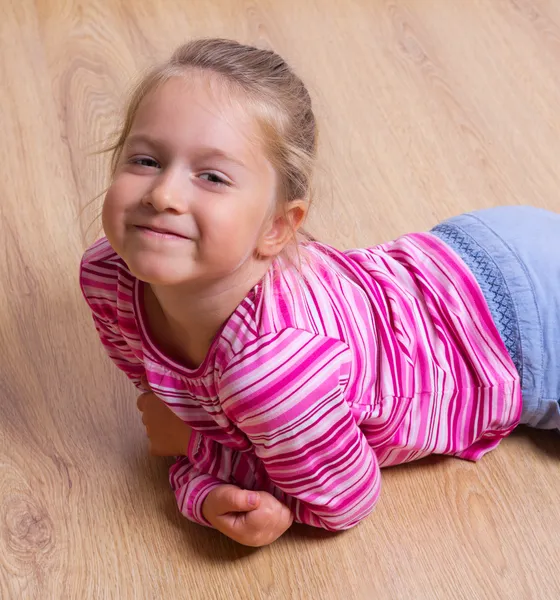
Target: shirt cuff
x=191, y=496
x=192, y=493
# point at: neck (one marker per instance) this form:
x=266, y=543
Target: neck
x=193, y=314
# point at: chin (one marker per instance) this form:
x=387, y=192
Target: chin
x=158, y=273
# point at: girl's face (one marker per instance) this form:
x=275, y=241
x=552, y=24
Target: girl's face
x=193, y=191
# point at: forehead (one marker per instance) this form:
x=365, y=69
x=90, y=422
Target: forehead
x=198, y=109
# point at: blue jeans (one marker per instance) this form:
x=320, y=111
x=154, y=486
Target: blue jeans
x=514, y=253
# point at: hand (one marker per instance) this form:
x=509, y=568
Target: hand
x=168, y=434
x=250, y=518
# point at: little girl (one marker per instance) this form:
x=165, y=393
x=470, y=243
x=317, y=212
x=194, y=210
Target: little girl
x=282, y=372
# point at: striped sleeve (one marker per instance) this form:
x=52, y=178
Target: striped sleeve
x=285, y=391
x=99, y=288
x=118, y=350
x=190, y=484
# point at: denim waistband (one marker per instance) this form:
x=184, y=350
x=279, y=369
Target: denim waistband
x=492, y=283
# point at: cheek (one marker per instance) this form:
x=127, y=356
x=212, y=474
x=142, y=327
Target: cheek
x=108, y=209
x=111, y=214
x=122, y=193
x=234, y=225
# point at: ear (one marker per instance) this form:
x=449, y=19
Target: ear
x=282, y=228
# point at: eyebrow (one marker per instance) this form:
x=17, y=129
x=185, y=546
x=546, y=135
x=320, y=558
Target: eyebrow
x=202, y=153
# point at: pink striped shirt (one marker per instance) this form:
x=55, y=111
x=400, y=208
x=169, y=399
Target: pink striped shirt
x=360, y=360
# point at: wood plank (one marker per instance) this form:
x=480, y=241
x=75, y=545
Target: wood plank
x=427, y=108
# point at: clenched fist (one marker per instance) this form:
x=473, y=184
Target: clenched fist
x=168, y=434
x=250, y=518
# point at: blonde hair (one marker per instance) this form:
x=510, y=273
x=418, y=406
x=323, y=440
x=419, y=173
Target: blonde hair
x=281, y=101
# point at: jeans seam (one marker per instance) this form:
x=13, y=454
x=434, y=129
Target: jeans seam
x=515, y=307
x=523, y=267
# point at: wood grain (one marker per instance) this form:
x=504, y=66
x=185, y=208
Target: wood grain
x=428, y=108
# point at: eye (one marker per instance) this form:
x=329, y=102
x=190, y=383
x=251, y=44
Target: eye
x=214, y=179
x=144, y=161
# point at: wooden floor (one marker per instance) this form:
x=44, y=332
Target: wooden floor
x=428, y=108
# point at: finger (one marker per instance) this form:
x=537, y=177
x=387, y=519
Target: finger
x=237, y=500
x=144, y=382
x=147, y=399
x=287, y=516
x=141, y=402
x=154, y=449
x=231, y=524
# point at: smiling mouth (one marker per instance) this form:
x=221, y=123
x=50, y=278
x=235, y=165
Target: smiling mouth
x=160, y=233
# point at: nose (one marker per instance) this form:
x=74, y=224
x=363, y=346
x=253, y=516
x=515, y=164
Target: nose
x=169, y=193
